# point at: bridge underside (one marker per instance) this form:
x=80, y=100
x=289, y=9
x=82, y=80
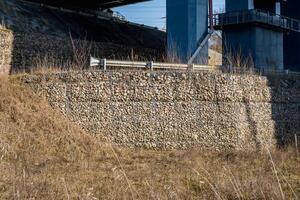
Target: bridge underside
x=88, y=4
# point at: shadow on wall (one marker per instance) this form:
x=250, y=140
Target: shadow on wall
x=280, y=103
x=285, y=95
x=283, y=106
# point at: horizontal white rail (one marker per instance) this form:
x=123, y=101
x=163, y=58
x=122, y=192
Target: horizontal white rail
x=150, y=65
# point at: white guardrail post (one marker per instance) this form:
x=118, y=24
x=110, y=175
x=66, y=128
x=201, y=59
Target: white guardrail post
x=191, y=67
x=151, y=65
x=103, y=64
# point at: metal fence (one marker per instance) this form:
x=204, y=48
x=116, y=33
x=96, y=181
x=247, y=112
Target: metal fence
x=258, y=16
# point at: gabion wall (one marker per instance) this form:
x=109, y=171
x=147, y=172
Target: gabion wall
x=167, y=110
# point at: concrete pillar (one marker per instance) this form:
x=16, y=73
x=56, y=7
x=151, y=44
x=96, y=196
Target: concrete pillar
x=187, y=25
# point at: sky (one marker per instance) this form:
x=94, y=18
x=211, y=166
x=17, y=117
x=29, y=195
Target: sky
x=152, y=13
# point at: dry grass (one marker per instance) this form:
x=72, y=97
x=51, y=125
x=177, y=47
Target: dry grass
x=44, y=156
x=3, y=26
x=238, y=63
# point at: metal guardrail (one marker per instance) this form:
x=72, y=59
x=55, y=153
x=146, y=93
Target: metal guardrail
x=277, y=72
x=110, y=64
x=105, y=64
x=255, y=15
x=260, y=71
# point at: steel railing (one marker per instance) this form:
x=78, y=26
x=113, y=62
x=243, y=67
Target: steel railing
x=256, y=15
x=105, y=64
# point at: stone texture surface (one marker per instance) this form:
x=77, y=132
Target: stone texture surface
x=6, y=39
x=167, y=109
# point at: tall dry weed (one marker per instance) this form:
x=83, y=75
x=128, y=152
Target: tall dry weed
x=236, y=62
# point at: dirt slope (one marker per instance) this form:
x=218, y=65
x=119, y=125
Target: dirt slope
x=33, y=135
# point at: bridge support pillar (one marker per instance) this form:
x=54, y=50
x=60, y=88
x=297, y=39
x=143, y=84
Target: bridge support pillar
x=187, y=26
x=253, y=43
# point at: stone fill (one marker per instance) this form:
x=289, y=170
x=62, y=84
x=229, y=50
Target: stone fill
x=167, y=110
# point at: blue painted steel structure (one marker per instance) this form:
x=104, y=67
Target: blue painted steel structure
x=257, y=39
x=236, y=5
x=187, y=26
